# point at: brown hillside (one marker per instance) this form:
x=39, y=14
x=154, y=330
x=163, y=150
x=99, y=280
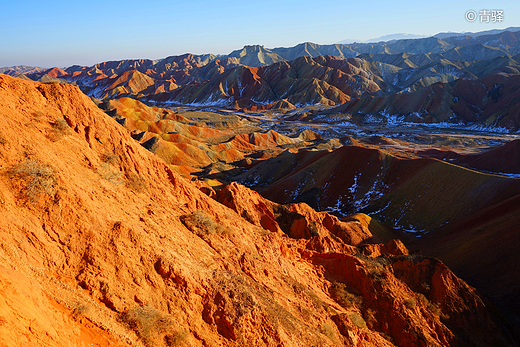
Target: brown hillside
x=503, y=159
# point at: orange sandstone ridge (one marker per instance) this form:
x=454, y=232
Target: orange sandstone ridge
x=102, y=243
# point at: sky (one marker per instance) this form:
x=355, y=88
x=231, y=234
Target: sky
x=64, y=33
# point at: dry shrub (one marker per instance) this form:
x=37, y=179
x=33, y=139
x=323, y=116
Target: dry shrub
x=202, y=224
x=39, y=179
x=37, y=114
x=357, y=320
x=59, y=129
x=410, y=303
x=328, y=331
x=110, y=174
x=177, y=339
x=340, y=293
x=110, y=158
x=135, y=182
x=80, y=309
x=376, y=272
x=3, y=140
x=305, y=292
x=376, y=267
x=108, y=170
x=434, y=308
x=153, y=327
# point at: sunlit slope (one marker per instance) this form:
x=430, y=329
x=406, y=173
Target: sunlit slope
x=191, y=145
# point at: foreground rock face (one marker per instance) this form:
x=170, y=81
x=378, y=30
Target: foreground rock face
x=103, y=244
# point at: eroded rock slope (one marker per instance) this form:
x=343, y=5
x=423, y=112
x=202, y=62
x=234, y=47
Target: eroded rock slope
x=117, y=248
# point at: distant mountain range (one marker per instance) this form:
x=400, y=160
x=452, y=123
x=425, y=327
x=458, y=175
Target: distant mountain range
x=20, y=69
x=476, y=34
x=443, y=35
x=365, y=79
x=384, y=38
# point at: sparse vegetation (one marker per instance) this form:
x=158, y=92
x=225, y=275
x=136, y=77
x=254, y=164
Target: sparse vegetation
x=340, y=293
x=135, y=182
x=39, y=179
x=80, y=309
x=375, y=267
x=110, y=158
x=61, y=124
x=202, y=224
x=37, y=114
x=304, y=291
x=328, y=331
x=59, y=129
x=357, y=320
x=153, y=327
x=108, y=173
x=410, y=303
x=177, y=339
x=3, y=140
x=434, y=308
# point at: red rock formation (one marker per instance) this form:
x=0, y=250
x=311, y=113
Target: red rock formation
x=118, y=247
x=55, y=72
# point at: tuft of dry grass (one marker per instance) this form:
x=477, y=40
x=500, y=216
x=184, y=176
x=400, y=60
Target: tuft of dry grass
x=3, y=140
x=39, y=179
x=410, y=303
x=434, y=308
x=153, y=327
x=202, y=224
x=108, y=173
x=340, y=293
x=108, y=170
x=110, y=158
x=59, y=129
x=357, y=320
x=135, y=182
x=179, y=338
x=37, y=114
x=80, y=309
x=328, y=331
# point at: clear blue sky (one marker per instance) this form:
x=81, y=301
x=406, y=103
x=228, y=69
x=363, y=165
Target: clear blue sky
x=63, y=33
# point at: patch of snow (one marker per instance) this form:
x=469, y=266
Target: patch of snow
x=337, y=208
